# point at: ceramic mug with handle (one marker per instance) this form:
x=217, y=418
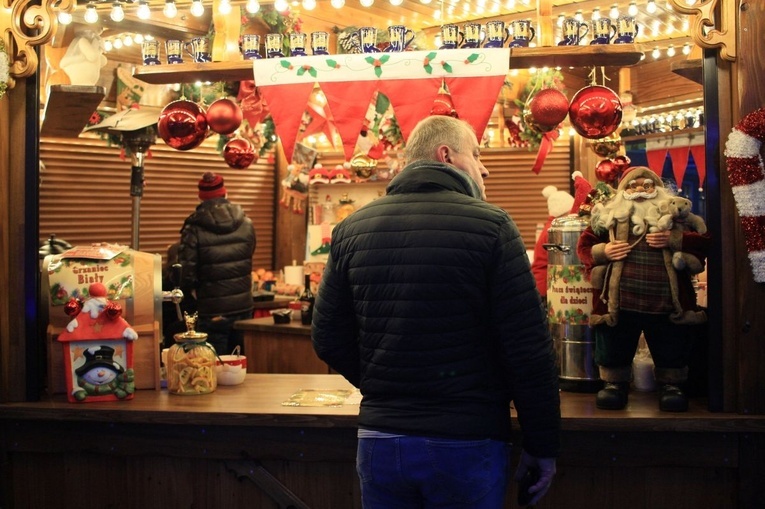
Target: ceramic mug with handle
x=573, y=31
x=199, y=49
x=602, y=31
x=626, y=30
x=523, y=33
x=496, y=34
x=451, y=36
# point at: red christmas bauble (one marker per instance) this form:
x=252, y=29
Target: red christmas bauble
x=239, y=153
x=224, y=116
x=112, y=310
x=606, y=171
x=595, y=112
x=549, y=107
x=182, y=124
x=538, y=127
x=73, y=307
x=621, y=163
x=443, y=105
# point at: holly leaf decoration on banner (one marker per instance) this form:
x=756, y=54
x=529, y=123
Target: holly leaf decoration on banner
x=472, y=58
x=285, y=64
x=307, y=69
x=333, y=64
x=446, y=67
x=377, y=63
x=426, y=63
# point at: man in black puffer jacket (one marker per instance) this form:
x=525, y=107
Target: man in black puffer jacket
x=217, y=243
x=428, y=305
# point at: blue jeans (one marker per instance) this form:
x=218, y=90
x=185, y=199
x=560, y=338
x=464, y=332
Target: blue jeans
x=426, y=473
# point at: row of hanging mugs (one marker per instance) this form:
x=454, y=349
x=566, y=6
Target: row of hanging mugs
x=364, y=40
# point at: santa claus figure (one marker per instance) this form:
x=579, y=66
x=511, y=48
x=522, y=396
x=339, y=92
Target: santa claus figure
x=638, y=290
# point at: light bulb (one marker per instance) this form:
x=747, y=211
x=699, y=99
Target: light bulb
x=656, y=53
x=511, y=4
x=561, y=17
x=224, y=7
x=252, y=6
x=425, y=2
x=632, y=10
x=170, y=9
x=366, y=3
x=309, y=5
x=281, y=5
x=91, y=14
x=671, y=51
x=138, y=38
x=686, y=49
x=64, y=18
x=337, y=3
x=108, y=45
x=596, y=13
x=614, y=12
x=579, y=16
x=396, y=2
x=197, y=8
x=651, y=6
x=128, y=40
x=118, y=13
x=143, y=11
x=117, y=43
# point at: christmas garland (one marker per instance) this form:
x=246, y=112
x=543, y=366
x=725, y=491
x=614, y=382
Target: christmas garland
x=747, y=178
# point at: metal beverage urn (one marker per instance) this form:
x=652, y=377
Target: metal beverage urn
x=569, y=305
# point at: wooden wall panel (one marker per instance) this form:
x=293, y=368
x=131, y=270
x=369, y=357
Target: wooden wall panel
x=85, y=194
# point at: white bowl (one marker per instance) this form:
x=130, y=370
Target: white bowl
x=231, y=369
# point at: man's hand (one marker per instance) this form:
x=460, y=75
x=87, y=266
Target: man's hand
x=617, y=250
x=659, y=240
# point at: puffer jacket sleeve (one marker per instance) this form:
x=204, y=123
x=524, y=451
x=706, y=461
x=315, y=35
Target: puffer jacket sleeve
x=334, y=331
x=526, y=348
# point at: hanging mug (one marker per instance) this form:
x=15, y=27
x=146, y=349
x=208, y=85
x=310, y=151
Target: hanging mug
x=174, y=51
x=626, y=30
x=523, y=33
x=602, y=31
x=297, y=44
x=572, y=33
x=320, y=43
x=274, y=45
x=249, y=44
x=496, y=34
x=199, y=49
x=150, y=52
x=473, y=35
x=400, y=38
x=451, y=37
x=364, y=40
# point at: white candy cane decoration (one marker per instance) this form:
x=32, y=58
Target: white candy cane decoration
x=747, y=177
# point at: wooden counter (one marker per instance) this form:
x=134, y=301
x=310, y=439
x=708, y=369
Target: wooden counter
x=279, y=348
x=240, y=447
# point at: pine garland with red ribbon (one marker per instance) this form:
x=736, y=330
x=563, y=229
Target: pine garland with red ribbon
x=747, y=177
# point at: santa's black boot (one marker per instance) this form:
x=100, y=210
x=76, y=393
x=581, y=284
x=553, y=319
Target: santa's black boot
x=613, y=396
x=672, y=399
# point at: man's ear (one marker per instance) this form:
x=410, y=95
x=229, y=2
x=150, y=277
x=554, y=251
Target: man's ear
x=442, y=154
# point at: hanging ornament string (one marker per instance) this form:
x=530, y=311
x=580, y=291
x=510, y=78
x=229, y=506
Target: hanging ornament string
x=747, y=179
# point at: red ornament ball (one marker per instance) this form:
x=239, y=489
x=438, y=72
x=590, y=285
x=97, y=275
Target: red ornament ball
x=112, y=310
x=537, y=127
x=549, y=107
x=182, y=124
x=595, y=112
x=73, y=307
x=239, y=153
x=621, y=163
x=224, y=116
x=606, y=171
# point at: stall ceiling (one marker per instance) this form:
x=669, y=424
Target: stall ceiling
x=659, y=24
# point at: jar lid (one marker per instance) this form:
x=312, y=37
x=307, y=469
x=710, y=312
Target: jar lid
x=194, y=336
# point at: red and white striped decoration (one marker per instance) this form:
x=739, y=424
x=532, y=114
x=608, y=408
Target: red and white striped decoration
x=747, y=178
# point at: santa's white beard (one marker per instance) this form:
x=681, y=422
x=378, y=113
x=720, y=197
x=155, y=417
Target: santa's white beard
x=621, y=209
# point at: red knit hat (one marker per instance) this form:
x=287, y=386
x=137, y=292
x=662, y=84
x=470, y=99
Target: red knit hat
x=211, y=186
x=582, y=190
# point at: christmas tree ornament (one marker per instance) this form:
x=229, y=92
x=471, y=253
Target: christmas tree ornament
x=621, y=163
x=595, y=112
x=606, y=172
x=533, y=125
x=443, y=105
x=224, y=116
x=182, y=124
x=549, y=108
x=239, y=153
x=607, y=147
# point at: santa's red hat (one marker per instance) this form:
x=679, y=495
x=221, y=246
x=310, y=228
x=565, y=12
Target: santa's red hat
x=582, y=190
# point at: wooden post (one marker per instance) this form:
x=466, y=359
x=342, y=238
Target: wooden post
x=545, y=25
x=225, y=46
